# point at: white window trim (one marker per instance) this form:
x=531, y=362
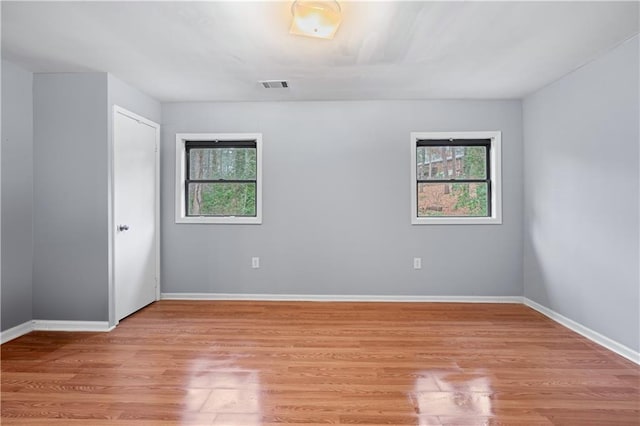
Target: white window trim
x=181, y=216
x=496, y=179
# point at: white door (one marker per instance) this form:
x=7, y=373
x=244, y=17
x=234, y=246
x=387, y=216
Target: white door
x=134, y=202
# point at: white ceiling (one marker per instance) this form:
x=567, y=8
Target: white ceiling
x=206, y=51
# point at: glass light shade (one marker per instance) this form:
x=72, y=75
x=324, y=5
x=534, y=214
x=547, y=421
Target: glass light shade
x=318, y=19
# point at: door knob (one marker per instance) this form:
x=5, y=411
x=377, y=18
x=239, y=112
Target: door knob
x=123, y=228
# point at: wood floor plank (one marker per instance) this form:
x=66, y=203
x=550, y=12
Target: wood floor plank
x=305, y=363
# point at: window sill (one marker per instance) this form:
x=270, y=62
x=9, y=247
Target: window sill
x=230, y=220
x=456, y=221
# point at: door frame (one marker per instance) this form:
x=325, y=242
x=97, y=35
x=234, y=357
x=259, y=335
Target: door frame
x=113, y=320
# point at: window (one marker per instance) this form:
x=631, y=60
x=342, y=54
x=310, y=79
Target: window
x=218, y=178
x=455, y=178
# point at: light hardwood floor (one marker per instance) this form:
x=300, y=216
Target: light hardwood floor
x=296, y=363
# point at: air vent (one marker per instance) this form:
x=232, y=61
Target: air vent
x=274, y=84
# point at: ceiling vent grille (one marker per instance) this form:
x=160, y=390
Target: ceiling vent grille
x=274, y=84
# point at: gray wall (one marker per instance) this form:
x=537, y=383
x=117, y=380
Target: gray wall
x=581, y=196
x=69, y=241
x=70, y=273
x=337, y=204
x=17, y=195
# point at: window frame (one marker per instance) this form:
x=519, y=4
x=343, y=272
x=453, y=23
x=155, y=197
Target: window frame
x=493, y=178
x=181, y=177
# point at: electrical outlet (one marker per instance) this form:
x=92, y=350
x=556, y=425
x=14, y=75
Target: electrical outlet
x=417, y=263
x=255, y=262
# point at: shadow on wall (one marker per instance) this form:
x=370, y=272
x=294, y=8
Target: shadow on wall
x=536, y=283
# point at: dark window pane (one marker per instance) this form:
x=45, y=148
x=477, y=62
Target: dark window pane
x=222, y=199
x=460, y=162
x=453, y=199
x=222, y=163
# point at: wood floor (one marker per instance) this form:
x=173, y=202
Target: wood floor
x=286, y=363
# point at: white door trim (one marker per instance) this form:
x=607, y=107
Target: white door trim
x=113, y=321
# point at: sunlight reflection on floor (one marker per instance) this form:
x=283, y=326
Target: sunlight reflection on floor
x=458, y=394
x=230, y=396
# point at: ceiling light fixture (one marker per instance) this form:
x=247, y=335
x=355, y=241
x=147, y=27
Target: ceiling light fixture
x=315, y=18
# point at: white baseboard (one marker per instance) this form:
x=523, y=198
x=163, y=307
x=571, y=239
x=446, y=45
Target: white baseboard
x=15, y=332
x=338, y=298
x=52, y=325
x=590, y=334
